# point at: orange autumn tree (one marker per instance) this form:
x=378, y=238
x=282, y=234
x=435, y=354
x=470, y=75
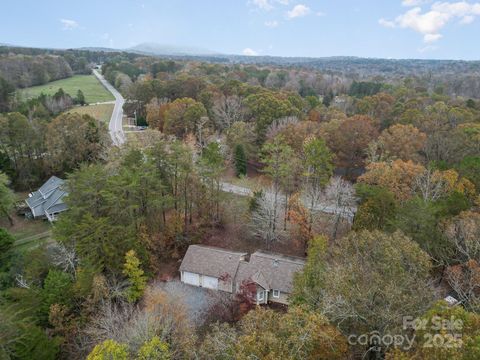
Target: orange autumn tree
x=398, y=177
x=401, y=142
x=300, y=218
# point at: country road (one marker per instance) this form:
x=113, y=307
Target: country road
x=347, y=213
x=118, y=138
x=115, y=126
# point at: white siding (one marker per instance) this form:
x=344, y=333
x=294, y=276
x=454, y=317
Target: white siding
x=209, y=282
x=191, y=278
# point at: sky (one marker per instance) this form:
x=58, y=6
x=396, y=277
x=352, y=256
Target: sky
x=313, y=28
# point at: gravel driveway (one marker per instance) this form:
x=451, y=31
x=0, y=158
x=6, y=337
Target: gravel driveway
x=197, y=300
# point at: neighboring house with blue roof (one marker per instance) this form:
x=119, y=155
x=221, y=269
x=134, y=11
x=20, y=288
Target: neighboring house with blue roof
x=48, y=200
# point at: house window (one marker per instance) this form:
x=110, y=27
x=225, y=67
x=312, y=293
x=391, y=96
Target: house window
x=260, y=296
x=276, y=294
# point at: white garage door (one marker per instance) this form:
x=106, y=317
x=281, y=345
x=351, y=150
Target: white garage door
x=210, y=282
x=191, y=278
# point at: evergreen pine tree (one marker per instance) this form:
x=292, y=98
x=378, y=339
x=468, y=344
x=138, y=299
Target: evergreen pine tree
x=240, y=160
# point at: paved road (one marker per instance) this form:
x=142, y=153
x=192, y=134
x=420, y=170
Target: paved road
x=348, y=213
x=118, y=138
x=116, y=121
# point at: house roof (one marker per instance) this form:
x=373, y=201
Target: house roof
x=211, y=261
x=270, y=270
x=50, y=185
x=49, y=198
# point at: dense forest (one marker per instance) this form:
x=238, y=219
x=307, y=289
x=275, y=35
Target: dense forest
x=395, y=152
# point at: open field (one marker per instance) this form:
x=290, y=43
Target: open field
x=101, y=112
x=91, y=88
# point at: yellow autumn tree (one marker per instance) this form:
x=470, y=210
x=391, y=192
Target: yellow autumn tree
x=109, y=350
x=298, y=334
x=453, y=182
x=135, y=275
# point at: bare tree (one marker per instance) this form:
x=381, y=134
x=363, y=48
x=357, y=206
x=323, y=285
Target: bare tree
x=431, y=188
x=227, y=110
x=265, y=217
x=110, y=322
x=162, y=315
x=65, y=257
x=463, y=232
x=21, y=282
x=279, y=124
x=464, y=280
x=340, y=197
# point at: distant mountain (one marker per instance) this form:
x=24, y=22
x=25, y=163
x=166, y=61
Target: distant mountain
x=172, y=50
x=104, y=49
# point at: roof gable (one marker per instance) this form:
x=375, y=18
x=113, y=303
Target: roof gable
x=271, y=271
x=49, y=196
x=50, y=186
x=211, y=261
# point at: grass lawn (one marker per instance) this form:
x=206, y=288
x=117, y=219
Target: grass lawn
x=28, y=233
x=90, y=86
x=102, y=112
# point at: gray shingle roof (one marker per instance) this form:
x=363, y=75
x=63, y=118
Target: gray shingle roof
x=211, y=261
x=49, y=198
x=270, y=270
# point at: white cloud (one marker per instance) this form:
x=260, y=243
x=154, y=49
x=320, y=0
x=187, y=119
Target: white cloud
x=430, y=38
x=271, y=24
x=431, y=22
x=467, y=19
x=249, y=52
x=263, y=4
x=298, y=11
x=386, y=23
x=69, y=24
x=320, y=13
x=414, y=2
x=267, y=5
x=428, y=48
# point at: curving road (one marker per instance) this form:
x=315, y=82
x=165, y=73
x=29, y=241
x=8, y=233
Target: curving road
x=118, y=138
x=116, y=121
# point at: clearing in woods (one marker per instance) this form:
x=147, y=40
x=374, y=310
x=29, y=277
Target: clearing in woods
x=102, y=112
x=90, y=86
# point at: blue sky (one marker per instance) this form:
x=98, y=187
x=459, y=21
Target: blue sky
x=367, y=28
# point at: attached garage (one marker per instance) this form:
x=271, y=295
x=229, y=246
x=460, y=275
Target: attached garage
x=209, y=282
x=191, y=278
x=210, y=267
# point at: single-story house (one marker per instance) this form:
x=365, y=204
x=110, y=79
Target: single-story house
x=272, y=274
x=210, y=267
x=219, y=269
x=47, y=202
